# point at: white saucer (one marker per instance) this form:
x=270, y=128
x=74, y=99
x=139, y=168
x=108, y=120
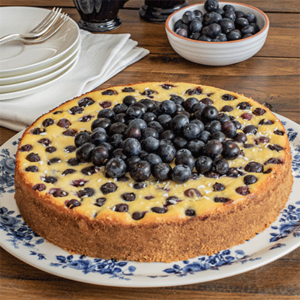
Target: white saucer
x=41, y=72
x=17, y=58
x=41, y=80
x=35, y=89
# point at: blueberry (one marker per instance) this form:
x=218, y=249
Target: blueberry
x=140, y=171
x=199, y=123
x=181, y=174
x=106, y=113
x=195, y=26
x=102, y=122
x=161, y=171
x=180, y=25
x=247, y=30
x=230, y=15
x=228, y=7
x=143, y=154
x=168, y=135
x=150, y=144
x=178, y=123
x=119, y=153
x=212, y=30
x=152, y=159
x=195, y=147
x=82, y=138
x=250, y=17
x=241, y=23
x=250, y=129
x=223, y=118
x=247, y=35
x=179, y=142
x=234, y=35
x=198, y=14
x=230, y=150
x=132, y=147
x=186, y=160
x=133, y=132
x=229, y=129
x=121, y=207
x=212, y=17
x=191, y=131
x=148, y=103
x=188, y=17
x=120, y=108
x=134, y=112
x=84, y=152
x=150, y=132
x=116, y=140
x=205, y=101
x=204, y=38
x=129, y=100
x=209, y=113
x=120, y=118
x=219, y=136
x=182, y=32
x=100, y=156
x=213, y=149
x=203, y=164
x=131, y=160
x=241, y=137
x=250, y=179
x=139, y=123
x=155, y=125
x=177, y=99
x=186, y=152
x=227, y=25
x=254, y=167
x=189, y=103
x=211, y=5
x=255, y=26
x=220, y=166
x=117, y=127
x=98, y=138
x=222, y=37
x=149, y=116
x=204, y=136
x=166, y=152
x=167, y=107
x=239, y=14
x=164, y=120
x=213, y=126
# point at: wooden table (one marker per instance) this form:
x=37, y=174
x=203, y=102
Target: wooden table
x=270, y=76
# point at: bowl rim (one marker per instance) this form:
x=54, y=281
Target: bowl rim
x=214, y=43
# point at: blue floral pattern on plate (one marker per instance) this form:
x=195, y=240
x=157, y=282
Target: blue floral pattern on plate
x=17, y=237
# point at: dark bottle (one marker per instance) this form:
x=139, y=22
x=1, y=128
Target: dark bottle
x=99, y=15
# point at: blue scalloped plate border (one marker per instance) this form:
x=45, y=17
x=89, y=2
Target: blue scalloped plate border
x=282, y=237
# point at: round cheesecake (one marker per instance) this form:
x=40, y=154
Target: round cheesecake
x=75, y=204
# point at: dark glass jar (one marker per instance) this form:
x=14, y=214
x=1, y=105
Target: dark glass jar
x=99, y=15
x=159, y=10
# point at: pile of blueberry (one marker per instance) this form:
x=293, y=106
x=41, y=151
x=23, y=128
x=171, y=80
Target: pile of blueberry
x=217, y=24
x=144, y=137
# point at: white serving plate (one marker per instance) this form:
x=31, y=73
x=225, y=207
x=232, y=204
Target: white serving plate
x=17, y=58
x=11, y=88
x=43, y=71
x=37, y=88
x=282, y=237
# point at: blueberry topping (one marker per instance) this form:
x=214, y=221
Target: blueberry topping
x=82, y=138
x=203, y=164
x=161, y=171
x=213, y=149
x=84, y=152
x=115, y=167
x=140, y=171
x=250, y=179
x=108, y=187
x=181, y=174
x=128, y=196
x=230, y=150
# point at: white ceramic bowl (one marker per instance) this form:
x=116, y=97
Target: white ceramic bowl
x=218, y=53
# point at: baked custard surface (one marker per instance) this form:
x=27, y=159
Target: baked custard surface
x=96, y=229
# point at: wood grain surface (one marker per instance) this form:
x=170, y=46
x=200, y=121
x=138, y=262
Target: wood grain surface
x=272, y=75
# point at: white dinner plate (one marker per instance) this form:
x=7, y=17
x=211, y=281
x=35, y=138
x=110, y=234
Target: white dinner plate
x=17, y=58
x=10, y=88
x=37, y=88
x=43, y=71
x=282, y=237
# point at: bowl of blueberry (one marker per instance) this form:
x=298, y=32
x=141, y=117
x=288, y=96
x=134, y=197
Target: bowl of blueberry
x=217, y=33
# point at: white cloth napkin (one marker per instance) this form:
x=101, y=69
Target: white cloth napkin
x=102, y=56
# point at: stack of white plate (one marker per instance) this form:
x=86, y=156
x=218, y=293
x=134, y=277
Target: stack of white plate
x=26, y=69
